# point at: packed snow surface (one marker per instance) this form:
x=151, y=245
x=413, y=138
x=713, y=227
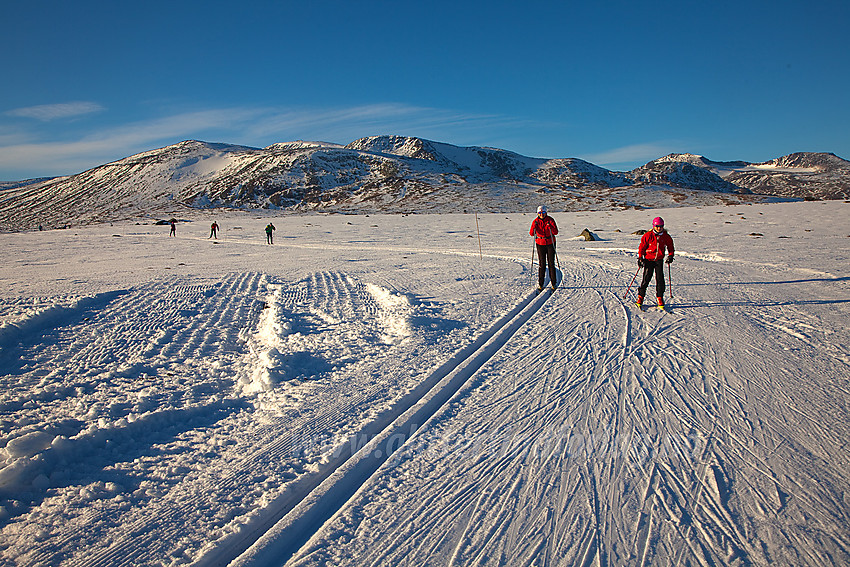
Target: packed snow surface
x=388, y=389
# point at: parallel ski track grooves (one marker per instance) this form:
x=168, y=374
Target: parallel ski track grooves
x=272, y=444
x=282, y=534
x=95, y=350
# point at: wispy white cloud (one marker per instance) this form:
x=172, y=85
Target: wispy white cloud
x=48, y=112
x=142, y=134
x=110, y=144
x=346, y=124
x=637, y=153
x=257, y=126
x=28, y=154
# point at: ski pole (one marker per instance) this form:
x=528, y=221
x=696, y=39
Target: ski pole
x=558, y=261
x=670, y=278
x=631, y=284
x=533, y=247
x=478, y=230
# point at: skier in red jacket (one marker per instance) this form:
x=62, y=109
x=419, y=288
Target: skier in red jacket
x=653, y=246
x=544, y=229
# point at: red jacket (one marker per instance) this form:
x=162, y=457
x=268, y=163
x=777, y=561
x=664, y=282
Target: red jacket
x=544, y=229
x=653, y=247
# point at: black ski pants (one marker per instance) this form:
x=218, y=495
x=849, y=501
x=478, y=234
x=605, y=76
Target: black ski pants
x=546, y=257
x=651, y=267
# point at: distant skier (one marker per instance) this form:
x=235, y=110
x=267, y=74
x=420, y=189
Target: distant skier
x=544, y=229
x=173, y=224
x=213, y=231
x=653, y=245
x=269, y=230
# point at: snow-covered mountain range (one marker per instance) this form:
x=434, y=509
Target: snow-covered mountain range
x=399, y=174
x=801, y=175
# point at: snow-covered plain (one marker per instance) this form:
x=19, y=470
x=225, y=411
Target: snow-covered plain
x=378, y=390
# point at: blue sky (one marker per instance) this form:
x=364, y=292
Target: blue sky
x=617, y=83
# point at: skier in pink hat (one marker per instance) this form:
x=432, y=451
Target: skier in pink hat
x=653, y=246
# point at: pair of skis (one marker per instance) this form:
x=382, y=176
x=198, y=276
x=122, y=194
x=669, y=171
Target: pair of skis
x=651, y=307
x=540, y=290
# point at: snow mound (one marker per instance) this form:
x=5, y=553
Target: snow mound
x=394, y=315
x=318, y=326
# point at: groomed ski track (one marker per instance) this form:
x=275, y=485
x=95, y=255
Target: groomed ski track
x=311, y=506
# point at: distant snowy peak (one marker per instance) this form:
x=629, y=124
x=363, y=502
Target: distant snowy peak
x=184, y=155
x=402, y=146
x=825, y=162
x=462, y=160
x=802, y=160
x=301, y=145
x=801, y=175
x=195, y=147
x=574, y=171
x=700, y=161
x=691, y=172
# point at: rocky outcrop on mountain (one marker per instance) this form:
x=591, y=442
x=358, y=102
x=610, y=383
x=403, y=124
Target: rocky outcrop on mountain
x=471, y=163
x=574, y=172
x=403, y=146
x=682, y=174
x=703, y=162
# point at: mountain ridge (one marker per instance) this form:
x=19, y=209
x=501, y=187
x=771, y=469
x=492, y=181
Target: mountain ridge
x=399, y=174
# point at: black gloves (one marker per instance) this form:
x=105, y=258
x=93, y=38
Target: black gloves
x=642, y=262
